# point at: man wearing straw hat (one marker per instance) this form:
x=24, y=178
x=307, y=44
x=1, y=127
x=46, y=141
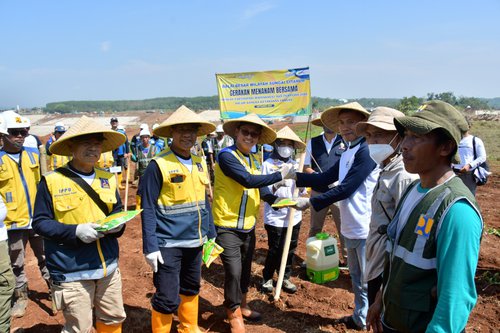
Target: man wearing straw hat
x=56, y=161
x=322, y=152
x=276, y=220
x=19, y=177
x=176, y=221
x=357, y=174
x=82, y=261
x=384, y=145
x=239, y=187
x=434, y=238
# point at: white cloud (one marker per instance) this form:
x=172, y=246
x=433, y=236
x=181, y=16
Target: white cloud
x=105, y=46
x=257, y=9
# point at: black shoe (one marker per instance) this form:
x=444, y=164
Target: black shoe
x=289, y=287
x=349, y=323
x=267, y=286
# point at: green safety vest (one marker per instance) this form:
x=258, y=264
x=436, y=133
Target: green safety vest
x=410, y=273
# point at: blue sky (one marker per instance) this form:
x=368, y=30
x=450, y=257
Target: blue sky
x=106, y=50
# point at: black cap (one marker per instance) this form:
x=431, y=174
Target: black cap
x=113, y=119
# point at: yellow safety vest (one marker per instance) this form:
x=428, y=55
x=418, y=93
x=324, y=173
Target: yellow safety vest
x=18, y=184
x=72, y=205
x=106, y=160
x=235, y=206
x=181, y=205
x=57, y=161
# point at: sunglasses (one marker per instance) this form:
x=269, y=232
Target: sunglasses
x=245, y=132
x=17, y=132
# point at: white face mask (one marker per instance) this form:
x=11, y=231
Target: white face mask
x=285, y=151
x=380, y=152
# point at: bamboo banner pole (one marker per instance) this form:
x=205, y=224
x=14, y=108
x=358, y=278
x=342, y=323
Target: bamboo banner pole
x=288, y=237
x=126, y=183
x=208, y=174
x=43, y=160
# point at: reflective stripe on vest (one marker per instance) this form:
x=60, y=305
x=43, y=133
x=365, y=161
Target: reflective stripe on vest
x=415, y=257
x=181, y=208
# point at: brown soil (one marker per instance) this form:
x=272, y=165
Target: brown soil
x=312, y=309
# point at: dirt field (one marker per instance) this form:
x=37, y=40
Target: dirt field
x=312, y=309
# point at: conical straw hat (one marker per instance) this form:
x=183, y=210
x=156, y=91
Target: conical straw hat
x=86, y=126
x=268, y=135
x=183, y=115
x=317, y=121
x=330, y=117
x=286, y=133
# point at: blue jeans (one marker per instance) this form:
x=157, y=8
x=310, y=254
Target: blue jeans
x=356, y=260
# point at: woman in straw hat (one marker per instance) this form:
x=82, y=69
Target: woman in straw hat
x=83, y=262
x=276, y=221
x=239, y=187
x=176, y=221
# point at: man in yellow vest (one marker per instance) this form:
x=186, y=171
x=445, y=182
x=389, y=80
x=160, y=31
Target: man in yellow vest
x=19, y=176
x=106, y=161
x=83, y=262
x=176, y=221
x=56, y=161
x=8, y=280
x=239, y=187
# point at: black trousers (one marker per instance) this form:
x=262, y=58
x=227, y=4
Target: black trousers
x=237, y=260
x=180, y=274
x=276, y=242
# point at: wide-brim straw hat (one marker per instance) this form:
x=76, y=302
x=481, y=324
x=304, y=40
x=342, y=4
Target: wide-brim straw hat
x=86, y=126
x=382, y=117
x=268, y=135
x=286, y=133
x=330, y=117
x=317, y=121
x=183, y=115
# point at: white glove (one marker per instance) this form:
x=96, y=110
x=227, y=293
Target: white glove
x=87, y=233
x=283, y=183
x=153, y=258
x=302, y=203
x=287, y=171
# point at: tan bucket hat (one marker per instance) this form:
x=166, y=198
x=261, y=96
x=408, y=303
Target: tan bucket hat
x=330, y=117
x=382, y=117
x=286, y=133
x=183, y=115
x=268, y=135
x=86, y=126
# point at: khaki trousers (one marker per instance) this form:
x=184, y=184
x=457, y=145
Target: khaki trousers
x=18, y=240
x=7, y=283
x=76, y=300
x=318, y=221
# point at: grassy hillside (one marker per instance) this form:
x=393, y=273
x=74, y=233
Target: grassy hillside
x=489, y=132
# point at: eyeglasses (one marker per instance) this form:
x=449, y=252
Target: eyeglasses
x=17, y=132
x=245, y=132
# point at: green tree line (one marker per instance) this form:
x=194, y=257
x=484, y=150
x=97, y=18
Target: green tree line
x=405, y=104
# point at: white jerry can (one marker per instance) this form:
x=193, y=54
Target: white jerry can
x=322, y=258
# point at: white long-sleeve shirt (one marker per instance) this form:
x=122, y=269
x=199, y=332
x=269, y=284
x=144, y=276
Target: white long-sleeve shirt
x=466, y=152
